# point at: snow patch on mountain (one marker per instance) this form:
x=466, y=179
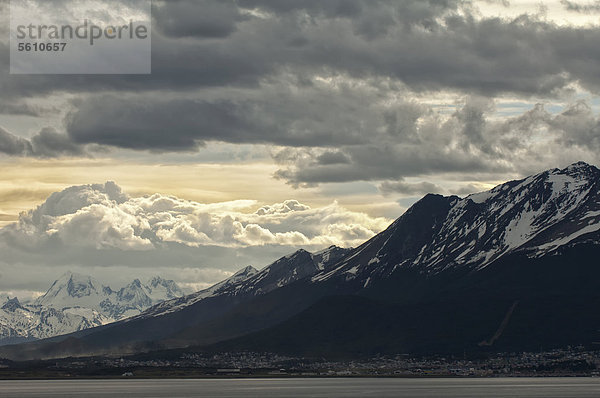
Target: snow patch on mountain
x=568, y=239
x=536, y=215
x=76, y=302
x=73, y=289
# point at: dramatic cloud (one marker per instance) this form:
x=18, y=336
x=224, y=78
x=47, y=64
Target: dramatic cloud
x=94, y=228
x=197, y=18
x=47, y=143
x=50, y=143
x=469, y=140
x=364, y=101
x=342, y=130
x=13, y=145
x=101, y=217
x=314, y=115
x=338, y=87
x=427, y=45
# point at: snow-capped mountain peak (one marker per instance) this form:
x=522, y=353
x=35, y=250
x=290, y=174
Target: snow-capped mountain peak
x=134, y=295
x=248, y=271
x=80, y=287
x=72, y=287
x=323, y=258
x=11, y=305
x=75, y=302
x=535, y=215
x=579, y=167
x=161, y=289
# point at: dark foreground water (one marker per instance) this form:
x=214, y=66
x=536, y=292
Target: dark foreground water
x=493, y=388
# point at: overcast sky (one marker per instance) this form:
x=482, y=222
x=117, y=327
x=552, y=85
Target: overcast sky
x=267, y=126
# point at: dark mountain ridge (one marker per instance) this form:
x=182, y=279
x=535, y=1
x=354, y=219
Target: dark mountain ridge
x=160, y=325
x=508, y=269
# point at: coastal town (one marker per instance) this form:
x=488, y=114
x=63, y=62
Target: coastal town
x=570, y=361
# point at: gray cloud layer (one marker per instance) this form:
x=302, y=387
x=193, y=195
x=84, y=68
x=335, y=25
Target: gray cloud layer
x=428, y=45
x=468, y=141
x=589, y=7
x=332, y=82
x=47, y=143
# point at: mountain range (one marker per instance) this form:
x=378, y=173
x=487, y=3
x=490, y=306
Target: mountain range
x=513, y=268
x=76, y=302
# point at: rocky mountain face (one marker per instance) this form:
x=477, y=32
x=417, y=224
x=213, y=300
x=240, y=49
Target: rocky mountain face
x=512, y=268
x=536, y=216
x=77, y=302
x=250, y=282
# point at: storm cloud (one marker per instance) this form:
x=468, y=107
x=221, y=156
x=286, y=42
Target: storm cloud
x=254, y=72
x=48, y=143
x=427, y=45
x=419, y=46
x=468, y=140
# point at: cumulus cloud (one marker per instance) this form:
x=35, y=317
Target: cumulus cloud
x=101, y=217
x=287, y=206
x=98, y=229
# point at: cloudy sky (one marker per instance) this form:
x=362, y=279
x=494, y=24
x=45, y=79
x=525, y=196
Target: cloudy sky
x=269, y=125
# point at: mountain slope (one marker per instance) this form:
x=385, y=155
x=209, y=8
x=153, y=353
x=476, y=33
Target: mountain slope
x=72, y=290
x=517, y=303
x=512, y=268
x=171, y=318
x=536, y=215
x=249, y=282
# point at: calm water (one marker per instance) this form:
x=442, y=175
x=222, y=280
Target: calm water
x=494, y=388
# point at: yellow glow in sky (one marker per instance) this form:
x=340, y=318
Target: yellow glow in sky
x=26, y=183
